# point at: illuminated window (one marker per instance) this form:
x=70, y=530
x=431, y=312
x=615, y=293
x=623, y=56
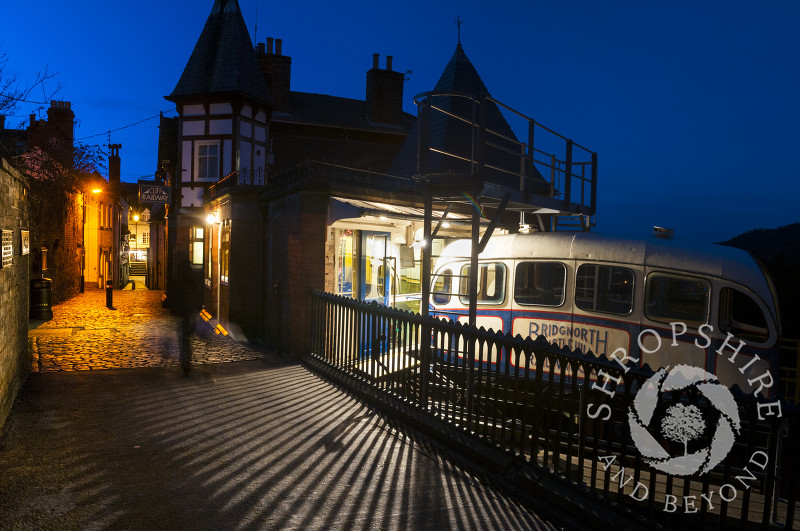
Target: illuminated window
x=196, y=246
x=207, y=161
x=225, y=254
x=146, y=238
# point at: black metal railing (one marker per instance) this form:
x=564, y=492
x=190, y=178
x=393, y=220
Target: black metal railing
x=315, y=172
x=553, y=165
x=572, y=415
x=243, y=177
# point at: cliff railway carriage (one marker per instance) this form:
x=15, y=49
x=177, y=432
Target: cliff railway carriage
x=662, y=301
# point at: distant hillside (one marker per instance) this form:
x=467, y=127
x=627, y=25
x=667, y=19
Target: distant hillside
x=779, y=251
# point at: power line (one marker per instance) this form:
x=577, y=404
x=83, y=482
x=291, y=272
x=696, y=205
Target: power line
x=124, y=126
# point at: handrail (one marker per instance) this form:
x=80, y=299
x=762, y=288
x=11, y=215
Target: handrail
x=532, y=400
x=482, y=145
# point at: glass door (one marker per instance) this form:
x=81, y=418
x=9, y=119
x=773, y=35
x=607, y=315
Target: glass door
x=346, y=258
x=375, y=279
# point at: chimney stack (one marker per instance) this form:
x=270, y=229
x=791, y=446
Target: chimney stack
x=56, y=133
x=277, y=70
x=384, y=93
x=114, y=170
x=61, y=122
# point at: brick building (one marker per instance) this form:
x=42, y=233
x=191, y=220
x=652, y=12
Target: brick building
x=327, y=193
x=71, y=226
x=14, y=281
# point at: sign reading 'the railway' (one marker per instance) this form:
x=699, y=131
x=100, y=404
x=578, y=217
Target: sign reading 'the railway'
x=153, y=193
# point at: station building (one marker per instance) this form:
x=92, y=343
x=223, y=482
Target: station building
x=277, y=193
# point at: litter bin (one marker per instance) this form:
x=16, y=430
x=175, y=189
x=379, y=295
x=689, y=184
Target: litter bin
x=40, y=299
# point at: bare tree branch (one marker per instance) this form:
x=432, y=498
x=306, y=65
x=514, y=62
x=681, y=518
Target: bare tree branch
x=12, y=95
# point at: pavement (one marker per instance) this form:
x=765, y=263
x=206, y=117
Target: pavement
x=108, y=433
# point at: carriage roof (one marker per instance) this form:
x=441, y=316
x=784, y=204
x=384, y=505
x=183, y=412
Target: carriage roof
x=704, y=259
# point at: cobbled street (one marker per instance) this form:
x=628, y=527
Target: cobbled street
x=85, y=335
x=262, y=443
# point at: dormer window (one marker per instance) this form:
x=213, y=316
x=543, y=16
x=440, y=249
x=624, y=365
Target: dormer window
x=207, y=161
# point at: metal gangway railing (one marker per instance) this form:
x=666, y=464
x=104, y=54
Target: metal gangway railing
x=563, y=413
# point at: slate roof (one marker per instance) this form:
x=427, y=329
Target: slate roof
x=454, y=136
x=223, y=60
x=335, y=111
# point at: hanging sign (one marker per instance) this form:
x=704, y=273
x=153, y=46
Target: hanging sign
x=154, y=193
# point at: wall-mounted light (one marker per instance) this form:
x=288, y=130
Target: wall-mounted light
x=96, y=190
x=212, y=218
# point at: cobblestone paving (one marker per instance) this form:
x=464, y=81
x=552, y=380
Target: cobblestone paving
x=85, y=335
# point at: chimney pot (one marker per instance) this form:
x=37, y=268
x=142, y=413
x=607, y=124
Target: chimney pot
x=269, y=45
x=260, y=48
x=389, y=63
x=278, y=45
x=375, y=58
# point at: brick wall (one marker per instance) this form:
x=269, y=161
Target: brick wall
x=246, y=264
x=14, y=289
x=56, y=219
x=296, y=250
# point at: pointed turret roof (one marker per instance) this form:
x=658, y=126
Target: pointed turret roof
x=454, y=136
x=223, y=60
x=459, y=74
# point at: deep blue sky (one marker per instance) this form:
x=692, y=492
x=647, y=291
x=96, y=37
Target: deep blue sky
x=692, y=107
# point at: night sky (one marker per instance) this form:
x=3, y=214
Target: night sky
x=692, y=107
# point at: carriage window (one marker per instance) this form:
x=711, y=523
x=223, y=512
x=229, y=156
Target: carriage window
x=740, y=315
x=442, y=288
x=540, y=283
x=491, y=283
x=673, y=298
x=603, y=288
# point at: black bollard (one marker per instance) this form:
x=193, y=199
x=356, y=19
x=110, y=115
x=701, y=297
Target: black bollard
x=109, y=295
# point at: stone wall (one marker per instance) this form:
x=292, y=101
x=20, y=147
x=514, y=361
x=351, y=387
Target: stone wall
x=14, y=288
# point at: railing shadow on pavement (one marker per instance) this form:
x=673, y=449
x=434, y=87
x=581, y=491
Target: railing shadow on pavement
x=269, y=446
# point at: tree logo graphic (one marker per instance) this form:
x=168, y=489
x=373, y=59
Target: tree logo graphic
x=654, y=426
x=683, y=423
